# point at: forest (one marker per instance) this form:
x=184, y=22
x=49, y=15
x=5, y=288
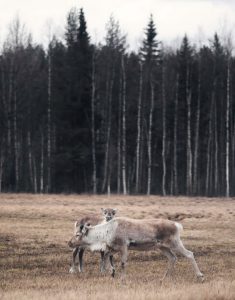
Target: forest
x=78, y=117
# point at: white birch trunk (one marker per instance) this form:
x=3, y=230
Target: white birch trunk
x=163, y=134
x=30, y=159
x=48, y=189
x=2, y=159
x=119, y=138
x=9, y=107
x=175, y=158
x=150, y=137
x=138, y=139
x=216, y=176
x=94, y=179
x=197, y=126
x=16, y=149
x=124, y=128
x=233, y=146
x=5, y=111
x=189, y=146
x=42, y=165
x=107, y=167
x=227, y=130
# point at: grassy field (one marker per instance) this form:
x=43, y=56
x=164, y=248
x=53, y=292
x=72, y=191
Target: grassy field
x=35, y=258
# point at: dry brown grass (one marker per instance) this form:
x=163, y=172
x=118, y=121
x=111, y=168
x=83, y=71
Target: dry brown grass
x=35, y=259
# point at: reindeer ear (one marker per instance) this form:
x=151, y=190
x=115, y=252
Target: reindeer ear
x=86, y=228
x=114, y=211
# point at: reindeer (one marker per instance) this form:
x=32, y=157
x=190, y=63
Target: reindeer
x=108, y=214
x=122, y=234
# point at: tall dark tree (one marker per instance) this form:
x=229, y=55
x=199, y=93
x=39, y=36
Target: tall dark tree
x=75, y=135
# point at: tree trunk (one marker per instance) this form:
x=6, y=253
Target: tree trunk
x=107, y=167
x=42, y=164
x=233, y=149
x=2, y=159
x=48, y=189
x=197, y=126
x=30, y=160
x=16, y=148
x=216, y=172
x=163, y=134
x=9, y=108
x=189, y=146
x=94, y=179
x=4, y=133
x=138, y=139
x=175, y=158
x=150, y=137
x=124, y=128
x=119, y=138
x=227, y=130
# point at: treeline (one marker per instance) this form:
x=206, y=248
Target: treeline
x=87, y=118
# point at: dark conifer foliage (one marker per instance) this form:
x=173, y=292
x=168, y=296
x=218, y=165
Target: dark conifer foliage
x=87, y=118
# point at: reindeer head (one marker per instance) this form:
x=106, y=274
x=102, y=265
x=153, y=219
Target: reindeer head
x=80, y=231
x=108, y=213
x=81, y=228
x=76, y=240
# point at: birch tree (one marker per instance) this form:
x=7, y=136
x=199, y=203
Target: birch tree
x=228, y=128
x=139, y=118
x=124, y=127
x=197, y=126
x=175, y=156
x=163, y=133
x=150, y=56
x=114, y=48
x=185, y=97
x=94, y=179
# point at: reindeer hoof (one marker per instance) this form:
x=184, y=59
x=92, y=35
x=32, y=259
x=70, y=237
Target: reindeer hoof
x=201, y=278
x=73, y=270
x=113, y=273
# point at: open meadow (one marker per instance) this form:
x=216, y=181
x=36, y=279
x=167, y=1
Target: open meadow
x=35, y=257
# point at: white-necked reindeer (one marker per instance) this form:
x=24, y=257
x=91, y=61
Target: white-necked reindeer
x=107, y=215
x=121, y=234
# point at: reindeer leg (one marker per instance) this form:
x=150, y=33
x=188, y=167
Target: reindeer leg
x=102, y=261
x=112, y=265
x=74, y=268
x=104, y=257
x=188, y=254
x=171, y=260
x=124, y=254
x=80, y=255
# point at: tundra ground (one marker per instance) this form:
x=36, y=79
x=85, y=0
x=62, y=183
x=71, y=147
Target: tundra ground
x=35, y=258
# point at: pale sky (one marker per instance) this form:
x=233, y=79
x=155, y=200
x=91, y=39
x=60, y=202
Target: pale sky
x=173, y=18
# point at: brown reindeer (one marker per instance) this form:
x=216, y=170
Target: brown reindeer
x=91, y=220
x=121, y=234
